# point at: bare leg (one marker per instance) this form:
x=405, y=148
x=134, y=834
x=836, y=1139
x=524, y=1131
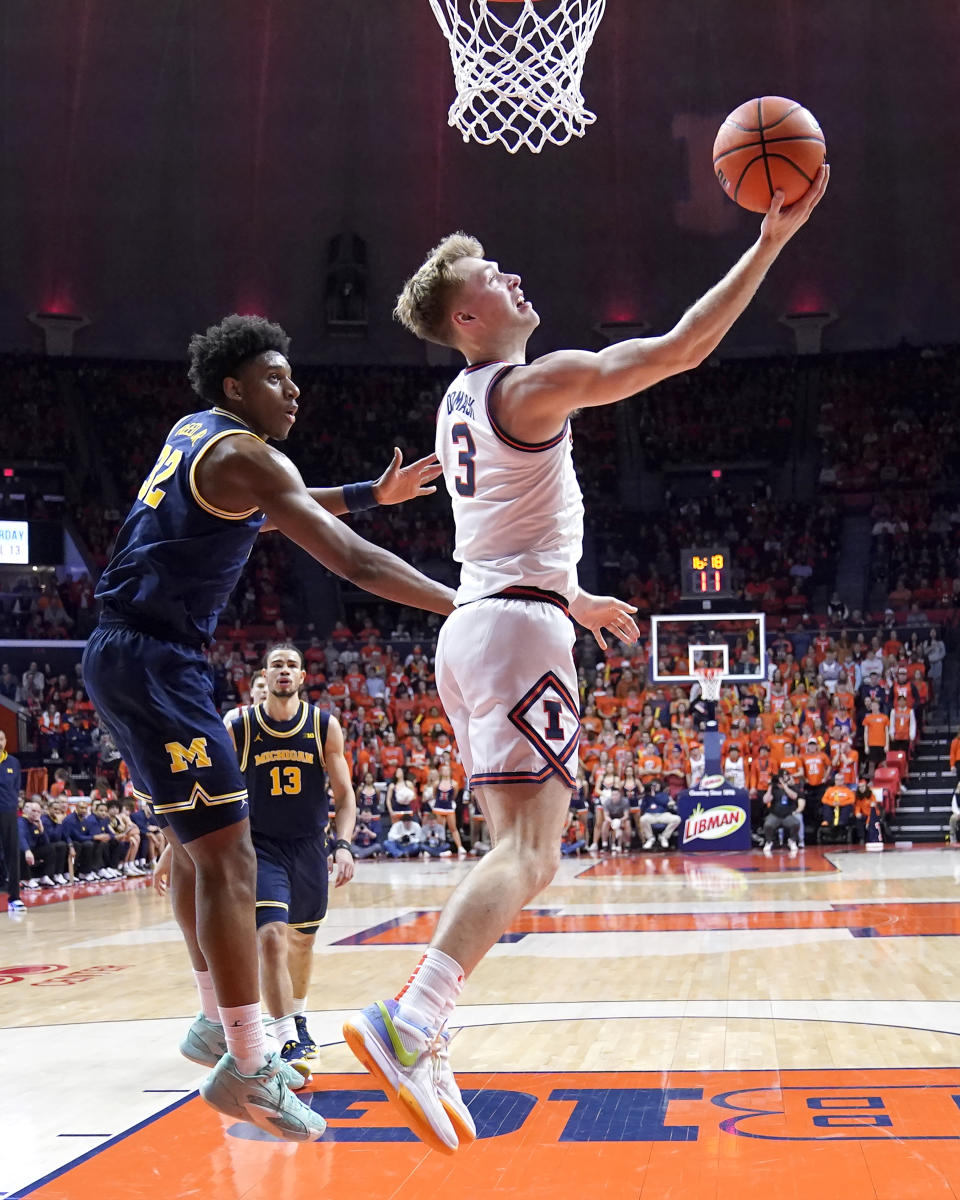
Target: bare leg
x=225, y=891
x=183, y=882
x=275, y=981
x=300, y=959
x=527, y=822
x=450, y=820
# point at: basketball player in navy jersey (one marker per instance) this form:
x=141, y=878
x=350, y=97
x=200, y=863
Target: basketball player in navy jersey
x=215, y=486
x=504, y=666
x=288, y=750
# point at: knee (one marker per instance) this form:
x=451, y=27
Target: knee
x=272, y=940
x=538, y=864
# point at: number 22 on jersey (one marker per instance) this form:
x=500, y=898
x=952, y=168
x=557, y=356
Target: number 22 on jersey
x=150, y=493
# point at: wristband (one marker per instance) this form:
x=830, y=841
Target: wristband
x=358, y=496
x=343, y=844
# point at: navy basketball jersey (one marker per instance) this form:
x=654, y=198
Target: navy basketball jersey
x=282, y=763
x=177, y=557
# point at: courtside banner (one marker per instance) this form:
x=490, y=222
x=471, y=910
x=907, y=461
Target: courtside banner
x=715, y=816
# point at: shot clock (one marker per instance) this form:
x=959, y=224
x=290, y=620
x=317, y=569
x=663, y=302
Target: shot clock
x=705, y=572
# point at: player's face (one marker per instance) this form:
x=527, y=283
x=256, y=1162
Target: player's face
x=284, y=674
x=264, y=394
x=259, y=690
x=493, y=298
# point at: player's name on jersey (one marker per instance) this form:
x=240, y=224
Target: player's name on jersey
x=460, y=402
x=269, y=756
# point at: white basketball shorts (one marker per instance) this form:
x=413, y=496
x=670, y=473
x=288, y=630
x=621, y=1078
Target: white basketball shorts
x=506, y=677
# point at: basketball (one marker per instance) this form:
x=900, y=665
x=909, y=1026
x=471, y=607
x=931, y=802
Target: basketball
x=764, y=145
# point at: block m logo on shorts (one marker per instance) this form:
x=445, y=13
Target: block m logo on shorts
x=184, y=757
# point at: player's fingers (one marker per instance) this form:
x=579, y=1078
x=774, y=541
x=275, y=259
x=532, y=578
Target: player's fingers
x=431, y=471
x=428, y=460
x=425, y=491
x=776, y=203
x=598, y=636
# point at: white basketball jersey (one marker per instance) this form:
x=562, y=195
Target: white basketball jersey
x=517, y=506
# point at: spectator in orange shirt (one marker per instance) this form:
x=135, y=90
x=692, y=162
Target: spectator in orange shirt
x=392, y=755
x=837, y=807
x=903, y=726
x=760, y=771
x=590, y=722
x=876, y=736
x=955, y=755
x=868, y=810
x=650, y=764
x=816, y=775
x=846, y=763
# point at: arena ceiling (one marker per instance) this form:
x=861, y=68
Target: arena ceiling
x=166, y=161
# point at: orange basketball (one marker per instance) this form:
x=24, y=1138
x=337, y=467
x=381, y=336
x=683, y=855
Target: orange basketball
x=764, y=145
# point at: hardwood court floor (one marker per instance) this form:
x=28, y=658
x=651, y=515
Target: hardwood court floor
x=655, y=1026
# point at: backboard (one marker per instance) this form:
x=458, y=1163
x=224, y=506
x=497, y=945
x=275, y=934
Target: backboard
x=734, y=641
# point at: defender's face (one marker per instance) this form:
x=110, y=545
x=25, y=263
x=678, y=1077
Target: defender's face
x=259, y=690
x=492, y=298
x=265, y=395
x=284, y=674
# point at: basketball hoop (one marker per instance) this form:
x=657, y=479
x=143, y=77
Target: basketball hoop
x=710, y=680
x=519, y=83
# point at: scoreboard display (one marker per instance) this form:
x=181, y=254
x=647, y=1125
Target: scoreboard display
x=705, y=572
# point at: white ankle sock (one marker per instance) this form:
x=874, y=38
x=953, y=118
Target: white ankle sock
x=430, y=994
x=246, y=1037
x=208, y=998
x=299, y=1005
x=284, y=1029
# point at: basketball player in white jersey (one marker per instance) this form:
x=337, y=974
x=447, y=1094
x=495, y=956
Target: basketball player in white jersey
x=504, y=668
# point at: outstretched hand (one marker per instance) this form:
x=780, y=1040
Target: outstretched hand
x=597, y=613
x=399, y=483
x=780, y=224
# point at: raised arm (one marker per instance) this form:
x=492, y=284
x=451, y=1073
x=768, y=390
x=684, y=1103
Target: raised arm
x=242, y=471
x=532, y=402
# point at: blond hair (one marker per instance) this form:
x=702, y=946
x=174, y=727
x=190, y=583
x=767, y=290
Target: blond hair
x=422, y=306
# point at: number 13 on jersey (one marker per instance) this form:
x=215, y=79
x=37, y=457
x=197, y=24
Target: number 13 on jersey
x=466, y=481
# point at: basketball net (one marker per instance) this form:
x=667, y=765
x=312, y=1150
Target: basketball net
x=710, y=680
x=519, y=83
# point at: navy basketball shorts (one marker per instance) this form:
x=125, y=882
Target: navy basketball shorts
x=292, y=881
x=156, y=700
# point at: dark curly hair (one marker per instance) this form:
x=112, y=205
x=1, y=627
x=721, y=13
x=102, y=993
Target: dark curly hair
x=222, y=349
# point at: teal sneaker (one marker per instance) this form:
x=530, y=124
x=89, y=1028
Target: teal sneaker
x=262, y=1099
x=205, y=1044
x=404, y=1059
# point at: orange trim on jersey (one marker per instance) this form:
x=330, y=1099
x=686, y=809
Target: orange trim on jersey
x=501, y=433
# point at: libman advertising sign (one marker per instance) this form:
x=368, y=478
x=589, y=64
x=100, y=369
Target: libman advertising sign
x=713, y=823
x=715, y=816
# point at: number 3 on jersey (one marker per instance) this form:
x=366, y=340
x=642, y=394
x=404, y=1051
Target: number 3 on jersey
x=467, y=482
x=164, y=467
